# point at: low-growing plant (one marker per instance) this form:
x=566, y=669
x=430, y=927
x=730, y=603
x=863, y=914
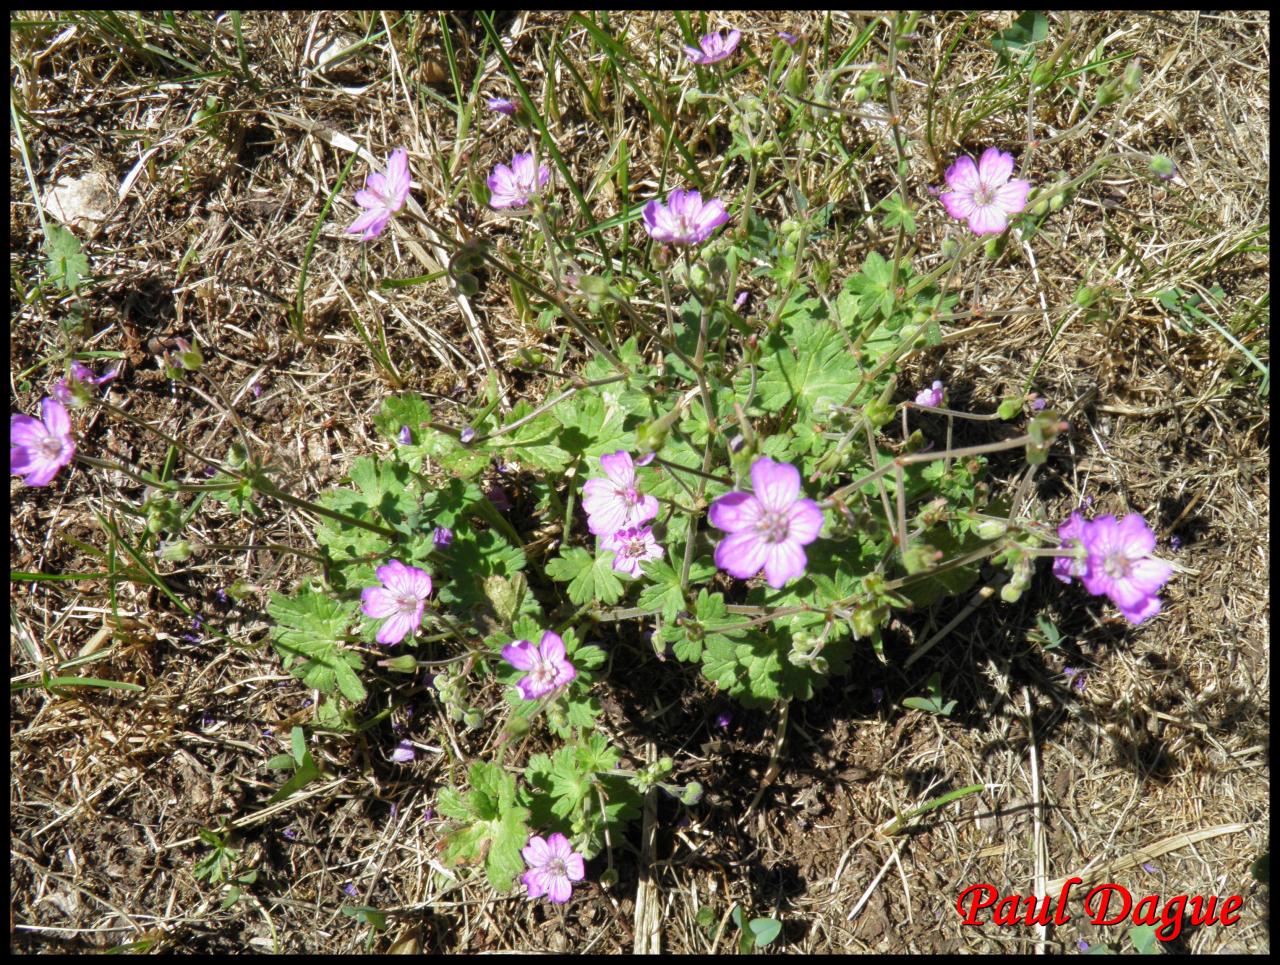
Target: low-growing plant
x=725, y=468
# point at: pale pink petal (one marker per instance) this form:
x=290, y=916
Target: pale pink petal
x=741, y=554
x=368, y=199
x=619, y=468
x=535, y=881
x=551, y=647
x=54, y=414
x=370, y=224
x=1134, y=534
x=1013, y=196
x=377, y=602
x=644, y=510
x=522, y=655
x=24, y=430
x=987, y=219
x=805, y=521
x=397, y=183
x=962, y=176
x=395, y=575
x=375, y=186
x=713, y=215
x=735, y=511
x=397, y=627
x=537, y=852
x=574, y=867
x=783, y=562
x=559, y=889
x=959, y=204
x=994, y=167
x=776, y=484
x=1149, y=575
x=1148, y=608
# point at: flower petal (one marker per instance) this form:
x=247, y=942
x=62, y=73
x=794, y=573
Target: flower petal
x=959, y=204
x=559, y=889
x=994, y=167
x=377, y=602
x=1013, y=196
x=574, y=867
x=735, y=511
x=551, y=647
x=783, y=561
x=538, y=851
x=776, y=484
x=535, y=881
x=619, y=468
x=54, y=414
x=397, y=627
x=1143, y=611
x=741, y=554
x=805, y=520
x=522, y=655
x=962, y=176
x=397, y=183
x=987, y=219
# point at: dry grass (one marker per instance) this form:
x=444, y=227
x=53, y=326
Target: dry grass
x=109, y=788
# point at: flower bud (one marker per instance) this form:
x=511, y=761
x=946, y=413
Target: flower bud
x=992, y=529
x=405, y=663
x=1132, y=77
x=1057, y=201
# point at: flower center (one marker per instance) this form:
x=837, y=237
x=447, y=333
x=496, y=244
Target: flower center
x=50, y=447
x=633, y=548
x=406, y=602
x=984, y=196
x=773, y=526
x=543, y=675
x=630, y=495
x=1117, y=566
x=556, y=868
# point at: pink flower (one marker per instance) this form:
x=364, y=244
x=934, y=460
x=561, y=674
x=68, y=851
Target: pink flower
x=1071, y=532
x=553, y=867
x=614, y=502
x=73, y=390
x=983, y=193
x=547, y=664
x=512, y=187
x=715, y=47
x=38, y=448
x=382, y=196
x=631, y=547
x=502, y=105
x=1120, y=565
x=684, y=219
x=402, y=598
x=767, y=529
x=932, y=395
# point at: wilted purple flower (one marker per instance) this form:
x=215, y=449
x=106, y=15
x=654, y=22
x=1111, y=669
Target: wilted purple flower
x=38, y=448
x=768, y=529
x=74, y=389
x=405, y=436
x=502, y=105
x=715, y=47
x=402, y=598
x=631, y=547
x=684, y=219
x=615, y=502
x=512, y=187
x=1175, y=542
x=646, y=459
x=498, y=496
x=349, y=890
x=1120, y=565
x=1082, y=945
x=982, y=194
x=553, y=867
x=1037, y=404
x=1149, y=868
x=723, y=719
x=256, y=388
x=441, y=537
x=1071, y=533
x=290, y=834
x=547, y=664
x=428, y=814
x=466, y=435
x=932, y=395
x=741, y=300
x=382, y=196
x=403, y=753
x=1075, y=678
x=789, y=38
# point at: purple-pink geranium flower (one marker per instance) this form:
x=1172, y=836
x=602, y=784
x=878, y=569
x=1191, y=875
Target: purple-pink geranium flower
x=631, y=547
x=546, y=663
x=1121, y=566
x=382, y=196
x=73, y=390
x=684, y=219
x=400, y=600
x=1071, y=533
x=553, y=867
x=932, y=395
x=615, y=502
x=768, y=528
x=502, y=105
x=713, y=47
x=512, y=187
x=38, y=448
x=982, y=193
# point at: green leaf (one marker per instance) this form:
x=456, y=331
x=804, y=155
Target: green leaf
x=592, y=427
x=1030, y=28
x=590, y=579
x=664, y=595
x=65, y=263
x=494, y=827
x=764, y=930
x=308, y=636
x=811, y=366
x=408, y=409
x=898, y=213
